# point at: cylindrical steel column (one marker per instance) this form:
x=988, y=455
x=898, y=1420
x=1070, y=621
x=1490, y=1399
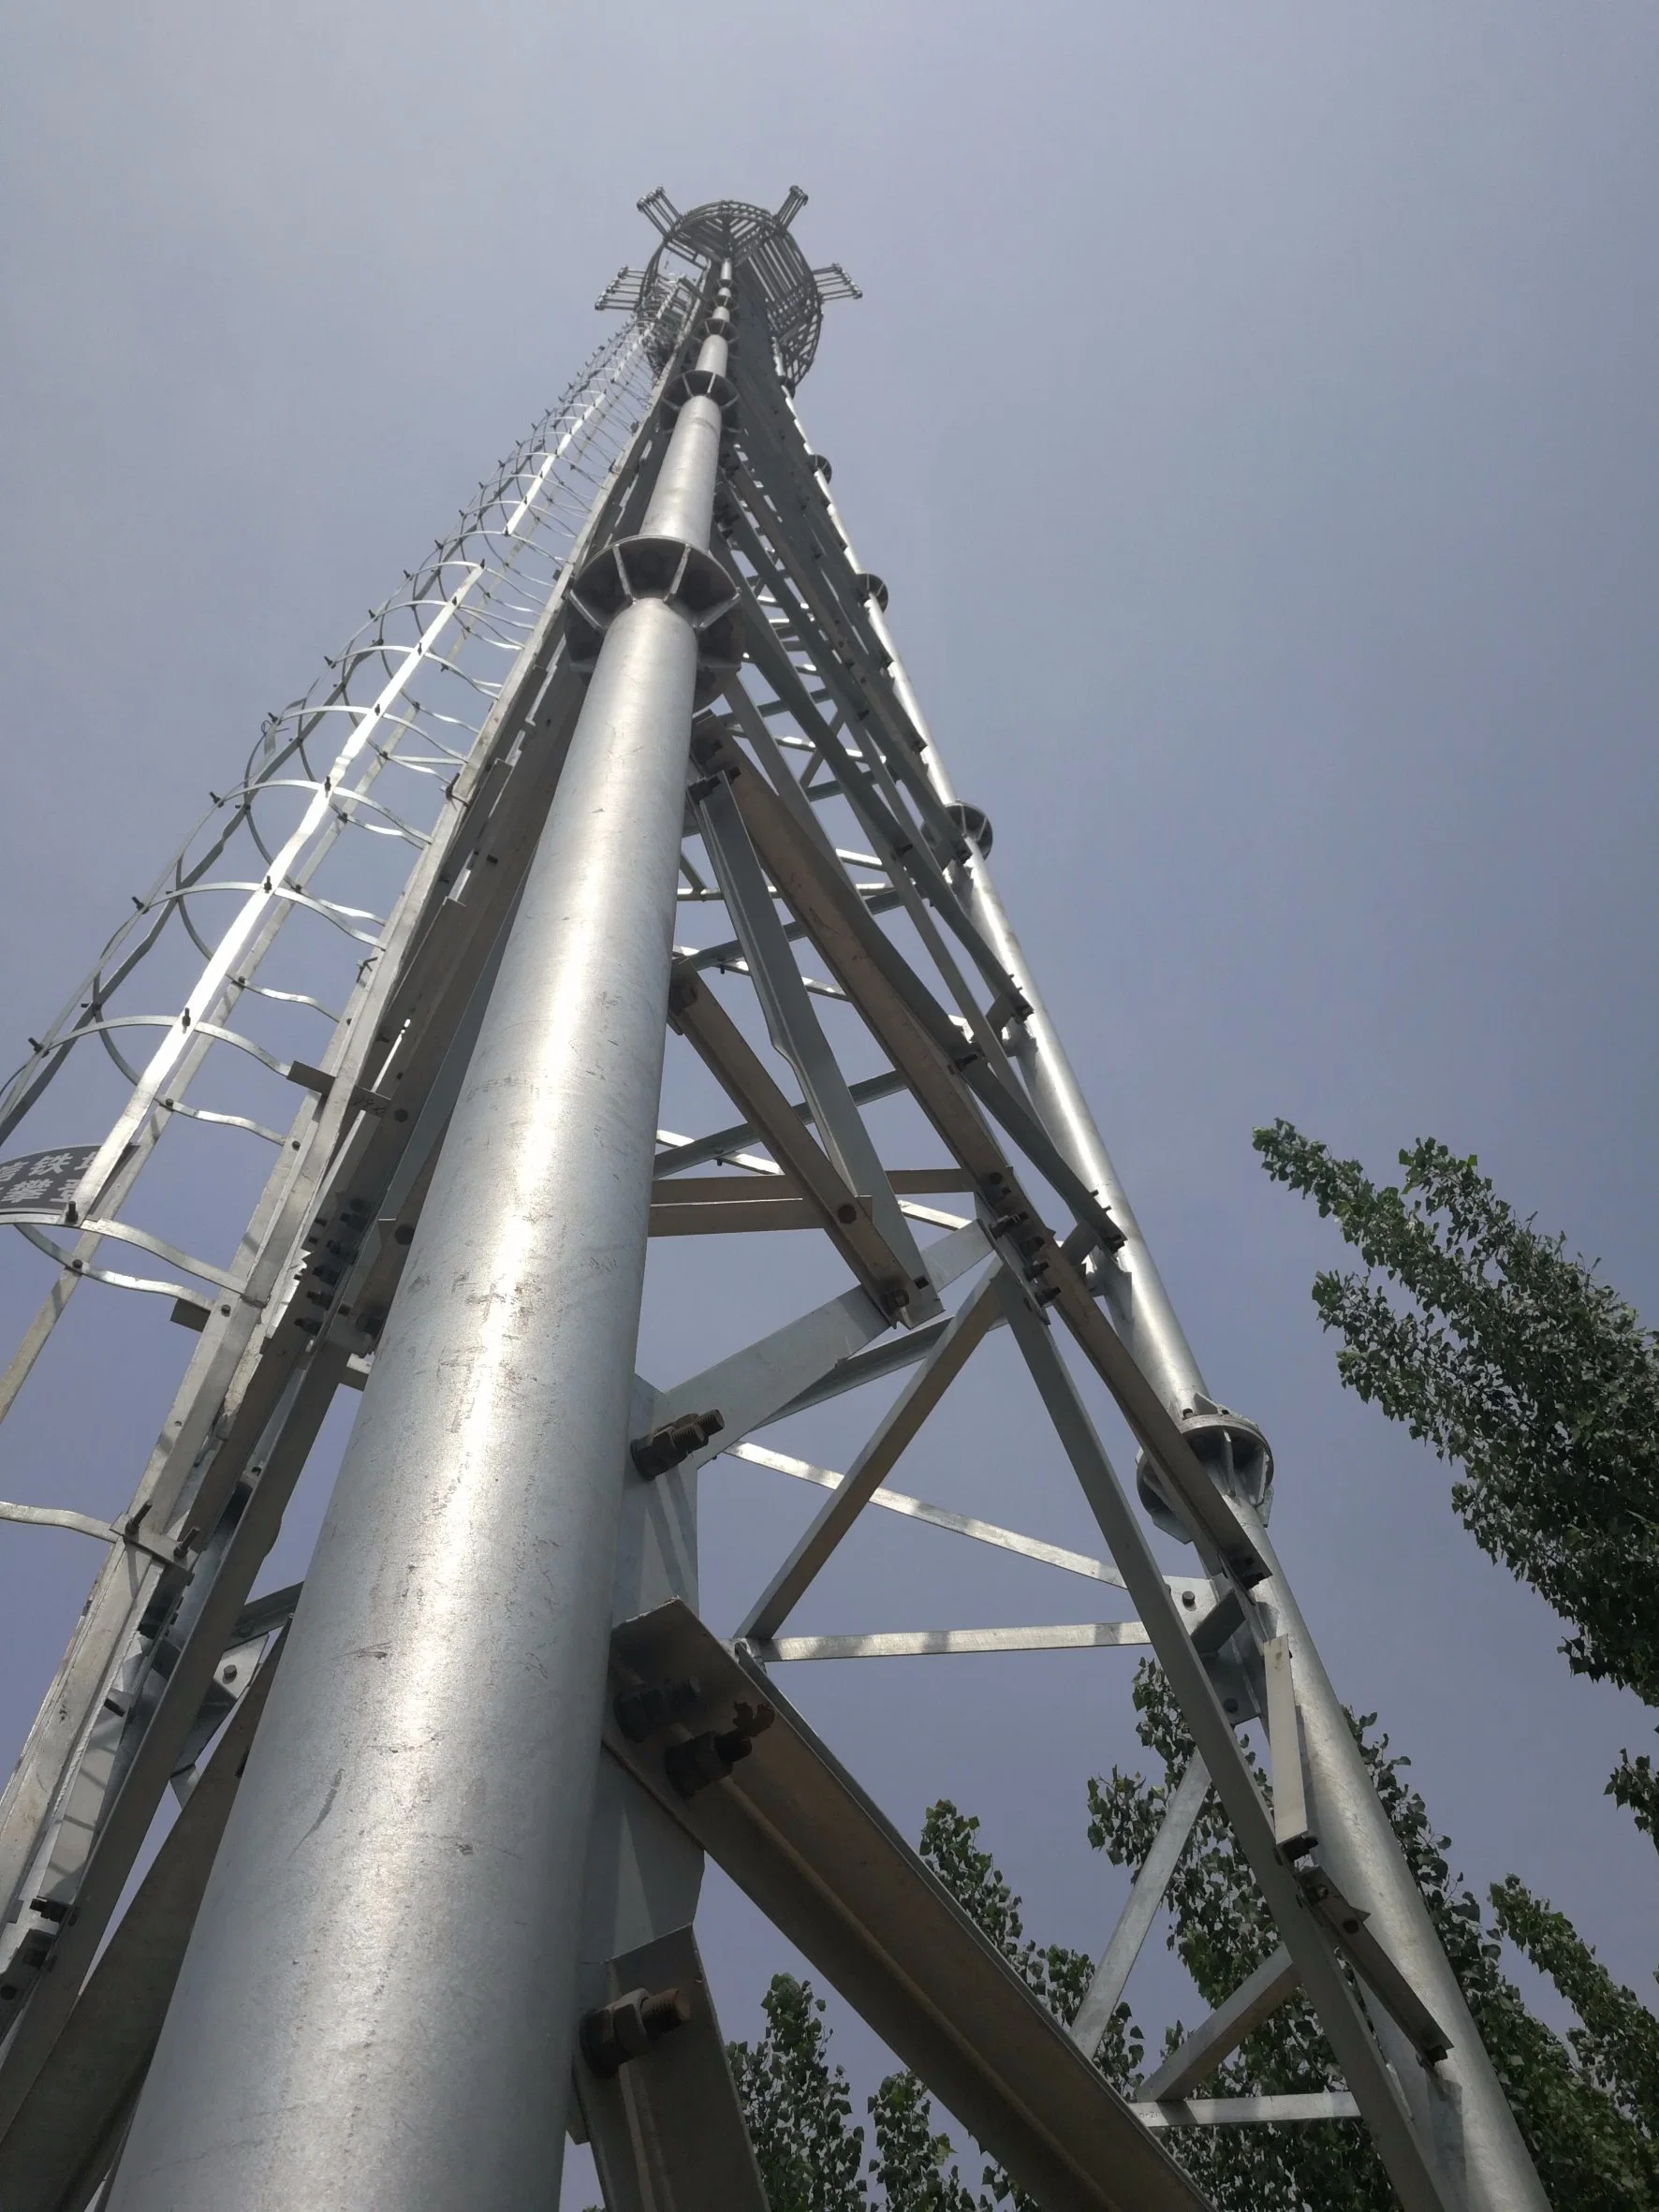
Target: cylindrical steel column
x=1134, y=1288
x=1462, y=2115
x=375, y=2011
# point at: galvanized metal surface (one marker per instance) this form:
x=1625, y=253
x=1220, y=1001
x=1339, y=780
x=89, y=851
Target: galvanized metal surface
x=413, y=1902
x=794, y=1830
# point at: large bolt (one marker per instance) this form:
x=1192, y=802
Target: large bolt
x=627, y=2027
x=665, y=1447
x=710, y=1757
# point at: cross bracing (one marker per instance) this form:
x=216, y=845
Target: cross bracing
x=610, y=894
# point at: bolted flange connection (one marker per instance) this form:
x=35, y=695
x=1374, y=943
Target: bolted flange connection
x=1232, y=1449
x=973, y=823
x=664, y=569
x=627, y=2027
x=705, y=383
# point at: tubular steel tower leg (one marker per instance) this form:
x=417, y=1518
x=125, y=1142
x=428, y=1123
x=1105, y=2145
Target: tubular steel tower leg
x=374, y=2008
x=1464, y=2113
x=1465, y=2118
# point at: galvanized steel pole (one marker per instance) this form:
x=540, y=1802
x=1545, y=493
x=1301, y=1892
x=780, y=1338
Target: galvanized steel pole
x=1463, y=2118
x=376, y=2007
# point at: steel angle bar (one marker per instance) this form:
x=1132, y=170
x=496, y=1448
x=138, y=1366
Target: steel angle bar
x=750, y=1388
x=790, y=501
x=261, y=1615
x=898, y=1428
x=844, y=635
x=821, y=712
x=1345, y=2026
x=794, y=1832
x=1285, y=1751
x=665, y=2126
x=1295, y=2110
x=65, y=2133
x=756, y=1210
x=84, y=1861
x=1257, y=1998
x=681, y=1153
x=724, y=1204
x=1391, y=1987
x=818, y=893
x=813, y=986
x=904, y=864
x=793, y=1027
x=739, y=1189
x=870, y=783
x=1141, y=1909
x=753, y=727
x=753, y=1162
x=863, y=608
x=942, y=1067
x=935, y=1517
x=859, y=1368
x=893, y=1280
x=950, y=1643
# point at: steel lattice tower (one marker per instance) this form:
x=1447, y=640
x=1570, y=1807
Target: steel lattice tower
x=443, y=1811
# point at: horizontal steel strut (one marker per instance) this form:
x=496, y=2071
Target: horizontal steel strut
x=650, y=655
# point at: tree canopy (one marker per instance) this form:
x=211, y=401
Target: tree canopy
x=1525, y=1372
x=1587, y=2101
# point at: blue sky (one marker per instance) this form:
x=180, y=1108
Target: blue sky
x=1254, y=413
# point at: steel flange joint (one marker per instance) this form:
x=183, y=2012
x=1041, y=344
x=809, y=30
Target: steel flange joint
x=684, y=577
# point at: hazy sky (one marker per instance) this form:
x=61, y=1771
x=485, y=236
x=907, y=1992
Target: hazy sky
x=1252, y=410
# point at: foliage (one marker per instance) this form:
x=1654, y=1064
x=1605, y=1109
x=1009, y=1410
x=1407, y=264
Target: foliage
x=1056, y=1975
x=1541, y=1387
x=797, y=2107
x=1587, y=2104
x=787, y=2077
x=914, y=2166
x=1522, y=1369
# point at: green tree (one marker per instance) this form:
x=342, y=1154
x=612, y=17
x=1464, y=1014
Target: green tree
x=797, y=2107
x=1588, y=2102
x=1522, y=1369
x=796, y=2102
